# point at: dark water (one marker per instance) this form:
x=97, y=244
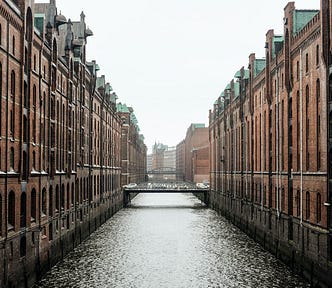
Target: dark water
x=169, y=240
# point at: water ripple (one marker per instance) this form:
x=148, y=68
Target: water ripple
x=169, y=240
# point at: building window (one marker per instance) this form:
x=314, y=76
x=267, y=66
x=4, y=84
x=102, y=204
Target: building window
x=44, y=202
x=50, y=232
x=307, y=205
x=317, y=55
x=57, y=198
x=12, y=167
x=319, y=207
x=50, y=201
x=13, y=47
x=297, y=70
x=11, y=211
x=33, y=205
x=33, y=160
x=23, y=209
x=306, y=63
x=62, y=198
x=12, y=84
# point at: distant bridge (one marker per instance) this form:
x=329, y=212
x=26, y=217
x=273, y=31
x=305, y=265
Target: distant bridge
x=163, y=187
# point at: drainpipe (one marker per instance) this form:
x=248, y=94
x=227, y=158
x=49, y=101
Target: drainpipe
x=277, y=142
x=6, y=166
x=262, y=154
x=301, y=144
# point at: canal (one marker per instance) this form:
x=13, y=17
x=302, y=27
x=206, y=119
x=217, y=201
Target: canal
x=169, y=240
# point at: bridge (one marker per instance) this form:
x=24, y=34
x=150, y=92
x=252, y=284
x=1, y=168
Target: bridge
x=163, y=187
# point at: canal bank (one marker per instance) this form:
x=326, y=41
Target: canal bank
x=287, y=239
x=169, y=241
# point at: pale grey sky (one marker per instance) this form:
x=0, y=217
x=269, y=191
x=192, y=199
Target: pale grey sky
x=171, y=59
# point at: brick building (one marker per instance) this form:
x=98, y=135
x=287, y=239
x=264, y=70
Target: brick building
x=192, y=154
x=133, y=149
x=270, y=133
x=60, y=140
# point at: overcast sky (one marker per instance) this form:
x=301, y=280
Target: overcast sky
x=170, y=59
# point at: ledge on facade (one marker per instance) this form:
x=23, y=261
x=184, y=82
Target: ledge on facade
x=14, y=7
x=8, y=174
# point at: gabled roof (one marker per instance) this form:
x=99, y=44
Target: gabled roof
x=301, y=18
x=259, y=66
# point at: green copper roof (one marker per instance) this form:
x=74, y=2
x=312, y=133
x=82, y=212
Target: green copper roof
x=246, y=74
x=302, y=18
x=236, y=89
x=238, y=74
x=259, y=66
x=228, y=87
x=277, y=44
x=39, y=22
x=122, y=108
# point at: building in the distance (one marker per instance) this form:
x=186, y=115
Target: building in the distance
x=133, y=149
x=271, y=144
x=192, y=155
x=163, y=162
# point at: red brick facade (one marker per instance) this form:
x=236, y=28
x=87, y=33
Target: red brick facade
x=193, y=154
x=60, y=141
x=269, y=141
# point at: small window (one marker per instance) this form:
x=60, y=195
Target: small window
x=307, y=206
x=317, y=55
x=306, y=63
x=13, y=47
x=319, y=207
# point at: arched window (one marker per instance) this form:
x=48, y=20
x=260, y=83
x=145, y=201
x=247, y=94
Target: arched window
x=25, y=166
x=12, y=167
x=62, y=198
x=72, y=194
x=57, y=198
x=23, y=209
x=25, y=129
x=33, y=205
x=319, y=207
x=317, y=55
x=33, y=160
x=11, y=210
x=29, y=25
x=13, y=45
x=12, y=84
x=44, y=202
x=307, y=127
x=50, y=201
x=50, y=232
x=68, y=197
x=307, y=205
x=55, y=51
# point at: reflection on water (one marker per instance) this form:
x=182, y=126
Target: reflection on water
x=169, y=240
